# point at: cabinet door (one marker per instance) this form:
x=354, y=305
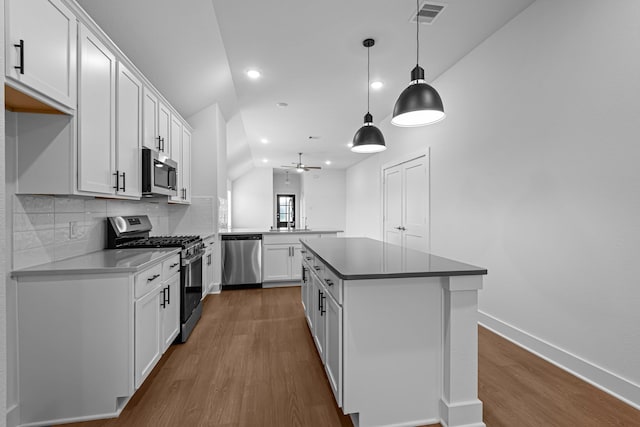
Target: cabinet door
x=147, y=334
x=176, y=138
x=170, y=304
x=186, y=165
x=150, y=109
x=47, y=30
x=277, y=262
x=333, y=349
x=304, y=287
x=164, y=128
x=96, y=116
x=296, y=261
x=129, y=125
x=208, y=271
x=319, y=324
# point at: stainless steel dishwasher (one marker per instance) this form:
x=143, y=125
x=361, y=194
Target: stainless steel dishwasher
x=242, y=261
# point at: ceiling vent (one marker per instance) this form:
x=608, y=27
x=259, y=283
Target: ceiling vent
x=428, y=13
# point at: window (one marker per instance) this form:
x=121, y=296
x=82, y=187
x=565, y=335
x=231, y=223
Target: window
x=285, y=210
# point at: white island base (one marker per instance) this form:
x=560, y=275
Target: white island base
x=410, y=351
x=398, y=351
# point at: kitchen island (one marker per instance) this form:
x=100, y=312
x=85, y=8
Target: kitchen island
x=396, y=330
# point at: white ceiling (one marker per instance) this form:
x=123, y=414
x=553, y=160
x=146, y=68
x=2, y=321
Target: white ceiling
x=196, y=52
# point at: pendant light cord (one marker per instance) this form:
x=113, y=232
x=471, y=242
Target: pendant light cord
x=368, y=78
x=417, y=33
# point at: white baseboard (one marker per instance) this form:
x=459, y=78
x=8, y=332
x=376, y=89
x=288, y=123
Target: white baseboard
x=268, y=285
x=601, y=378
x=13, y=415
x=214, y=289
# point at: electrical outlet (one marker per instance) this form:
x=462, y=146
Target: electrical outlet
x=73, y=229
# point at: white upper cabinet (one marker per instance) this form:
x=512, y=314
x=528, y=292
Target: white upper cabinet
x=41, y=49
x=129, y=126
x=96, y=116
x=182, y=148
x=150, y=138
x=175, y=133
x=164, y=128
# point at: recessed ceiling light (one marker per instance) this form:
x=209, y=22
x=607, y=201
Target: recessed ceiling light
x=282, y=104
x=253, y=74
x=376, y=85
x=264, y=140
x=328, y=162
x=265, y=160
x=350, y=144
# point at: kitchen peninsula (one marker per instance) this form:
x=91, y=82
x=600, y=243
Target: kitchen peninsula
x=396, y=330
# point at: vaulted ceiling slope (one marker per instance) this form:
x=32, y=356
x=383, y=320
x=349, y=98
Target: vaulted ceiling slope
x=310, y=55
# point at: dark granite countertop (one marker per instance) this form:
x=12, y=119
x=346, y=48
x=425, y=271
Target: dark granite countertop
x=355, y=258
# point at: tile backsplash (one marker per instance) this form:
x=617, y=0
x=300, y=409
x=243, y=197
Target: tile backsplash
x=50, y=228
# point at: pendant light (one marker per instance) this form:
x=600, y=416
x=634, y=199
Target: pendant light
x=368, y=139
x=419, y=104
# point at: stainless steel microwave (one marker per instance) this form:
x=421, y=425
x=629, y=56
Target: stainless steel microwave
x=159, y=174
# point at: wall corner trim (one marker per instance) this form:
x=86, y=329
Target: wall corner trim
x=601, y=378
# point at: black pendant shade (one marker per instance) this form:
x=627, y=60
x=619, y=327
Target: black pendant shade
x=368, y=139
x=419, y=104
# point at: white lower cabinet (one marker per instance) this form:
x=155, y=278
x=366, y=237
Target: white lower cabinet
x=333, y=346
x=208, y=276
x=170, y=312
x=157, y=315
x=147, y=334
x=277, y=263
x=321, y=299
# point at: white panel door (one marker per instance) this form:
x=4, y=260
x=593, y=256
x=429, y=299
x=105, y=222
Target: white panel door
x=150, y=108
x=96, y=116
x=186, y=165
x=333, y=353
x=47, y=30
x=170, y=304
x=406, y=204
x=164, y=128
x=296, y=262
x=176, y=155
x=147, y=334
x=277, y=262
x=129, y=125
x=393, y=205
x=416, y=204
x=319, y=323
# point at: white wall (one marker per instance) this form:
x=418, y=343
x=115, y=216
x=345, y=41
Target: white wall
x=534, y=175
x=324, y=199
x=281, y=187
x=4, y=251
x=251, y=196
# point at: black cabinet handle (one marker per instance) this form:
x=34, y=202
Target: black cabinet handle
x=152, y=278
x=316, y=267
x=302, y=251
x=124, y=183
x=304, y=275
x=321, y=307
x=308, y=258
x=163, y=303
x=117, y=175
x=175, y=264
x=21, y=66
x=329, y=282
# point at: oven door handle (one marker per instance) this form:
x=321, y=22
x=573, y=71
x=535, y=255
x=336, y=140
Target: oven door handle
x=192, y=259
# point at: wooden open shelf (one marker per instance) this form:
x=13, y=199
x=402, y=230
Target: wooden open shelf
x=18, y=102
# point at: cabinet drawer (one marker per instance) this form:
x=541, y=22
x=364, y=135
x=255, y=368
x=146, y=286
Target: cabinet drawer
x=307, y=257
x=147, y=280
x=332, y=283
x=286, y=238
x=170, y=267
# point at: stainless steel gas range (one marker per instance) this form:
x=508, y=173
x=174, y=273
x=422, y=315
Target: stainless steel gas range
x=133, y=232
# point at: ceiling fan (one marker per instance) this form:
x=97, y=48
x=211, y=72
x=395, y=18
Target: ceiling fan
x=301, y=167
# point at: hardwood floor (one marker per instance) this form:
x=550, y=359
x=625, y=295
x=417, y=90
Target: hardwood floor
x=251, y=362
